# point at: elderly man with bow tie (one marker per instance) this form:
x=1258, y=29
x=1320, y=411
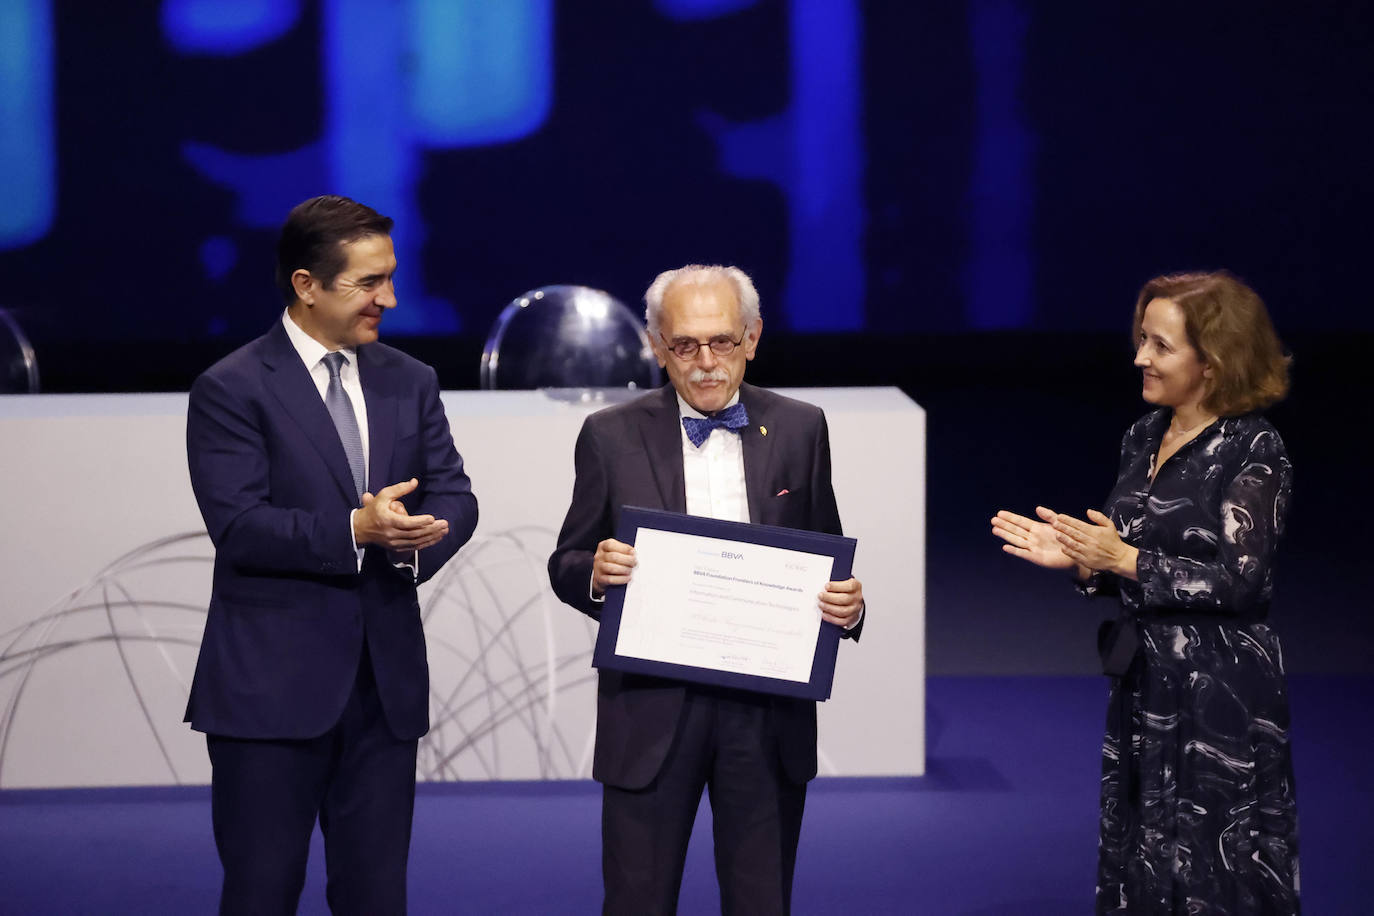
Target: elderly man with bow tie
x=708, y=445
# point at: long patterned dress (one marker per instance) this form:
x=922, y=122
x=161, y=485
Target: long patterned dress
x=1198, y=807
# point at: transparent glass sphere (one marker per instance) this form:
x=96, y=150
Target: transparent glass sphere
x=568, y=337
x=18, y=365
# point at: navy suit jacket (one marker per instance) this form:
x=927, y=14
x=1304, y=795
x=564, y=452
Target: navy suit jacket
x=631, y=455
x=289, y=609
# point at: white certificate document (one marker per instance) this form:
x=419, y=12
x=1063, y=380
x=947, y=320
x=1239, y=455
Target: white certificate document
x=723, y=604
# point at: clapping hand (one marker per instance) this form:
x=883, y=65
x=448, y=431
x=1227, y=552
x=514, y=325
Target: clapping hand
x=1095, y=543
x=383, y=520
x=1030, y=540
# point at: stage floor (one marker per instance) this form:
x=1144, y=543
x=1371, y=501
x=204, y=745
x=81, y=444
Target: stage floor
x=1004, y=822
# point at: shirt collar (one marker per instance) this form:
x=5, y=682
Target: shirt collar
x=687, y=410
x=310, y=350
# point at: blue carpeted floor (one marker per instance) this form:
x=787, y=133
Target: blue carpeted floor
x=1004, y=822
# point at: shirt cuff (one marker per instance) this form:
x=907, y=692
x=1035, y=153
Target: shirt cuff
x=352, y=539
x=412, y=562
x=591, y=591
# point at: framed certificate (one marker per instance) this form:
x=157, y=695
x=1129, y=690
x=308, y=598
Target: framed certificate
x=724, y=603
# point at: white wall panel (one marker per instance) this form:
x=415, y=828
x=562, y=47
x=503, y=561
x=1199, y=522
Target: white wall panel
x=105, y=575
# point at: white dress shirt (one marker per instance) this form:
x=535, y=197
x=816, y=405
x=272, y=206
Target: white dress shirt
x=312, y=353
x=714, y=473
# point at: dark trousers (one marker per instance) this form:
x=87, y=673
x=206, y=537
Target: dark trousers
x=356, y=778
x=722, y=744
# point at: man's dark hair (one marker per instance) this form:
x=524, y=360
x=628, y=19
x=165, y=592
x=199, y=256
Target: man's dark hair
x=313, y=236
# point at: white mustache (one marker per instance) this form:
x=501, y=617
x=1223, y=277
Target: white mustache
x=715, y=375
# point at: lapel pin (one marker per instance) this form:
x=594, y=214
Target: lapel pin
x=764, y=430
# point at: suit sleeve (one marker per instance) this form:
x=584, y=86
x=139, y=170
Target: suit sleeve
x=228, y=458
x=588, y=522
x=825, y=513
x=445, y=490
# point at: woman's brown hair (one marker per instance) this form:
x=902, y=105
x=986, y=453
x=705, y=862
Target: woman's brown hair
x=1229, y=327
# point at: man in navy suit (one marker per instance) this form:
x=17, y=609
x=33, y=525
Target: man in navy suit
x=323, y=465
x=707, y=444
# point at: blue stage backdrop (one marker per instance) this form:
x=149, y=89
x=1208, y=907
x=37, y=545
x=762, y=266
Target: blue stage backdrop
x=881, y=167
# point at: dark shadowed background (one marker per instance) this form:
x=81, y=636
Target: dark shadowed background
x=960, y=199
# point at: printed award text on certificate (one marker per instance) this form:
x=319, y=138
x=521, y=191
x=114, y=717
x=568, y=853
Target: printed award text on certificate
x=722, y=604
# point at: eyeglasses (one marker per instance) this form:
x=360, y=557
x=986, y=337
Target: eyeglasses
x=686, y=348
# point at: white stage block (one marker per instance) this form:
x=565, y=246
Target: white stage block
x=106, y=575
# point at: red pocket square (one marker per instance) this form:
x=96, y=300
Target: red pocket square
x=783, y=492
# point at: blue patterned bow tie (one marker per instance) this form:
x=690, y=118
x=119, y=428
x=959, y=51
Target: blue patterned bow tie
x=699, y=428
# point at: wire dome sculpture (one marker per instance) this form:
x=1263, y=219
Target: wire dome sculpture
x=512, y=689
x=116, y=656
x=569, y=337
x=18, y=364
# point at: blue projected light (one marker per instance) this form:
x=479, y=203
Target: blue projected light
x=218, y=28
x=483, y=71
x=398, y=79
x=369, y=153
x=690, y=10
x=814, y=153
x=1001, y=202
x=28, y=188
x=825, y=284
x=267, y=186
x=218, y=255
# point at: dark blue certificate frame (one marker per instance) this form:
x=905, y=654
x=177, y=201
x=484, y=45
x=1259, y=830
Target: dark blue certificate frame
x=839, y=549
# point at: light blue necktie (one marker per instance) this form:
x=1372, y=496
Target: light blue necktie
x=345, y=421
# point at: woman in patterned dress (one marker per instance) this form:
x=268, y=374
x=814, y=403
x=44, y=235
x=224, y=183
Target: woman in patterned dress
x=1198, y=808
